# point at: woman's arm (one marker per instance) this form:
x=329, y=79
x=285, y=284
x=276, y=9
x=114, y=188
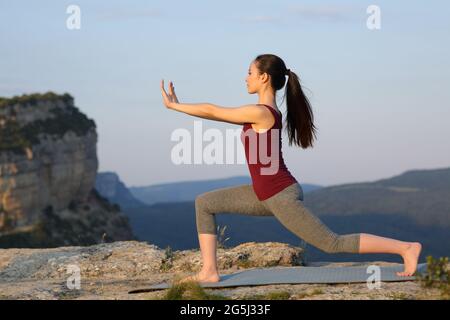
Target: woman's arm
x=202, y=110
x=249, y=113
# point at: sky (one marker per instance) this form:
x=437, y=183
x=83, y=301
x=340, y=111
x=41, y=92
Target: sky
x=380, y=97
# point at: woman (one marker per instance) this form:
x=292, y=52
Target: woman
x=277, y=193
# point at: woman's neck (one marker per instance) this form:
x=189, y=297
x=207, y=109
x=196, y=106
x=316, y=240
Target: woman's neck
x=267, y=97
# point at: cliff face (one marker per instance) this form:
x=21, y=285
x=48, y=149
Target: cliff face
x=48, y=165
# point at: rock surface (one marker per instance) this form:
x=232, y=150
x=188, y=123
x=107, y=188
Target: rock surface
x=110, y=270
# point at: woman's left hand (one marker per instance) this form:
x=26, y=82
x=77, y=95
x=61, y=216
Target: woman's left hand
x=170, y=98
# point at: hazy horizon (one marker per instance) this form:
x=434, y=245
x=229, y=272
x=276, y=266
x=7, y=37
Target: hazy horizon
x=380, y=97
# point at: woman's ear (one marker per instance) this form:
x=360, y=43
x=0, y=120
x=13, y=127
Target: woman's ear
x=265, y=77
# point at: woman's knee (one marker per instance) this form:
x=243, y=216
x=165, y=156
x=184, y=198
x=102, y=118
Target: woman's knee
x=205, y=219
x=331, y=244
x=201, y=201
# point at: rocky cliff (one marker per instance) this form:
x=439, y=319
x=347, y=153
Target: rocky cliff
x=48, y=166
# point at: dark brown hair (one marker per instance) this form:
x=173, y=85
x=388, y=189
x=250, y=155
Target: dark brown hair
x=300, y=119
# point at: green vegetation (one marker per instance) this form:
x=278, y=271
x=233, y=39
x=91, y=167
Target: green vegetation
x=34, y=98
x=221, y=237
x=68, y=294
x=16, y=138
x=244, y=261
x=187, y=266
x=399, y=296
x=167, y=261
x=12, y=138
x=273, y=295
x=437, y=276
x=190, y=290
x=63, y=121
x=314, y=292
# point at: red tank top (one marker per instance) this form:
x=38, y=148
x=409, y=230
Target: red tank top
x=265, y=159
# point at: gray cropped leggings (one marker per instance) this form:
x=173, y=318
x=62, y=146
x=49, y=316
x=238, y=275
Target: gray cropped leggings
x=287, y=206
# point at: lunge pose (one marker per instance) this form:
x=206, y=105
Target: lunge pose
x=274, y=191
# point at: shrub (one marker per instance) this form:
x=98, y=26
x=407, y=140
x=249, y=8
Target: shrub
x=221, y=237
x=437, y=276
x=190, y=290
x=167, y=261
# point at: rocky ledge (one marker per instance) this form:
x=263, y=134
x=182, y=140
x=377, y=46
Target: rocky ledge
x=110, y=270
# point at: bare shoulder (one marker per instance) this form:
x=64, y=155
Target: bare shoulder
x=251, y=106
x=248, y=113
x=261, y=116
x=249, y=109
x=254, y=108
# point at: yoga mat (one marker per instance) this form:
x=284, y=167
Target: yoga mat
x=299, y=274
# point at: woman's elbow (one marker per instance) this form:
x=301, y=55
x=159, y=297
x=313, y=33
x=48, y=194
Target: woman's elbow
x=211, y=112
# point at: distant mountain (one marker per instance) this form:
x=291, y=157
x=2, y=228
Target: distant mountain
x=109, y=185
x=413, y=206
x=188, y=190
x=420, y=195
x=174, y=225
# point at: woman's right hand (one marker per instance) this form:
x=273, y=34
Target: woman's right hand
x=170, y=98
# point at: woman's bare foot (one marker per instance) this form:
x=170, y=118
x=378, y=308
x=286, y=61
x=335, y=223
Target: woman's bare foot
x=202, y=276
x=410, y=258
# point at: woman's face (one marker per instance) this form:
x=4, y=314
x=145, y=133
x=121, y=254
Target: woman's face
x=252, y=80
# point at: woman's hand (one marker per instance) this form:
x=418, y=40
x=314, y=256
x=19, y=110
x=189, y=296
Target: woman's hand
x=171, y=98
